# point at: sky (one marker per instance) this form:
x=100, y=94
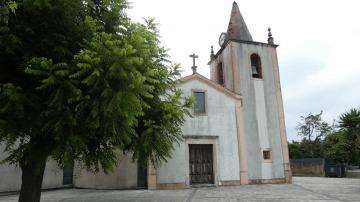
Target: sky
x=318, y=53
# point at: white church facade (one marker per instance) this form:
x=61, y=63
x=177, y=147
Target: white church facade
x=236, y=135
x=237, y=132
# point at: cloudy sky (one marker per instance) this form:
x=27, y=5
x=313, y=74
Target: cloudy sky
x=318, y=53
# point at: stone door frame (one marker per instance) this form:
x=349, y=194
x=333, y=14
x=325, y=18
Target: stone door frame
x=213, y=140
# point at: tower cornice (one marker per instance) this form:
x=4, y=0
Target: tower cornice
x=240, y=41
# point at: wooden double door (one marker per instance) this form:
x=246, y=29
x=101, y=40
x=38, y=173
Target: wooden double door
x=201, y=164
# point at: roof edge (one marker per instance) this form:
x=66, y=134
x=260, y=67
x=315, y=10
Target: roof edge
x=211, y=84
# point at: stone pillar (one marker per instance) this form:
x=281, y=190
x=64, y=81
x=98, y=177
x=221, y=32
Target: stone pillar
x=287, y=172
x=280, y=107
x=244, y=176
x=151, y=177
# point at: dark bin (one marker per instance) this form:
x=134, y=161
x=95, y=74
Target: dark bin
x=334, y=169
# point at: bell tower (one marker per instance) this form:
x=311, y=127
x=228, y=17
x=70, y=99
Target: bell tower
x=250, y=68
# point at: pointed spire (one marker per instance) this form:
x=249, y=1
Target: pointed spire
x=237, y=28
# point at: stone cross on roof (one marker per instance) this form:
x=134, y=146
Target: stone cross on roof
x=193, y=56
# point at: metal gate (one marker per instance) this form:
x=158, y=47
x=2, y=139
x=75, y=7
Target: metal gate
x=201, y=164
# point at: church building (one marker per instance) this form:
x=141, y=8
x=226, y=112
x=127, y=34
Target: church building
x=237, y=132
x=236, y=135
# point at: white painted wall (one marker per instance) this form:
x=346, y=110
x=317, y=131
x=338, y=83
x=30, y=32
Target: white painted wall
x=261, y=114
x=124, y=176
x=220, y=121
x=10, y=175
x=266, y=168
x=261, y=118
x=53, y=176
x=173, y=171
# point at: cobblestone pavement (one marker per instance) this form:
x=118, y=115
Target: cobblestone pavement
x=309, y=189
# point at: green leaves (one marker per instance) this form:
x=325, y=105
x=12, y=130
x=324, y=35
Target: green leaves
x=335, y=146
x=12, y=5
x=349, y=124
x=89, y=83
x=350, y=119
x=342, y=144
x=159, y=129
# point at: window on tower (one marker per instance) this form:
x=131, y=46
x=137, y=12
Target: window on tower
x=256, y=70
x=220, y=74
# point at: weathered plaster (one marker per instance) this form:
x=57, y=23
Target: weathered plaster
x=124, y=176
x=261, y=115
x=151, y=177
x=218, y=127
x=261, y=111
x=173, y=171
x=280, y=108
x=244, y=176
x=10, y=175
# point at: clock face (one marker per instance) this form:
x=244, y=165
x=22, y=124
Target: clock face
x=222, y=39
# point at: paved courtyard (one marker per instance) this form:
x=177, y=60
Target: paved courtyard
x=309, y=189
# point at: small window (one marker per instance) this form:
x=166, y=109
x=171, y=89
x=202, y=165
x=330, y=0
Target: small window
x=256, y=70
x=199, y=107
x=220, y=74
x=267, y=155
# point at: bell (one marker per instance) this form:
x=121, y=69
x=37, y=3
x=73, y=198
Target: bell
x=254, y=70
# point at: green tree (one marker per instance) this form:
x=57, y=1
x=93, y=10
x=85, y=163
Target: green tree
x=160, y=125
x=349, y=123
x=49, y=29
x=336, y=146
x=6, y=7
x=313, y=128
x=80, y=81
x=301, y=149
x=295, y=150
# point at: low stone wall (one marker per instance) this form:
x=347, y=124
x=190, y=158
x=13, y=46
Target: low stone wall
x=307, y=167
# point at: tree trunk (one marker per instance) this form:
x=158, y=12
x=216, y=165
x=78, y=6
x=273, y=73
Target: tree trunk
x=32, y=177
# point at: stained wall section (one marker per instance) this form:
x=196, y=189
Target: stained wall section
x=218, y=123
x=261, y=111
x=10, y=175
